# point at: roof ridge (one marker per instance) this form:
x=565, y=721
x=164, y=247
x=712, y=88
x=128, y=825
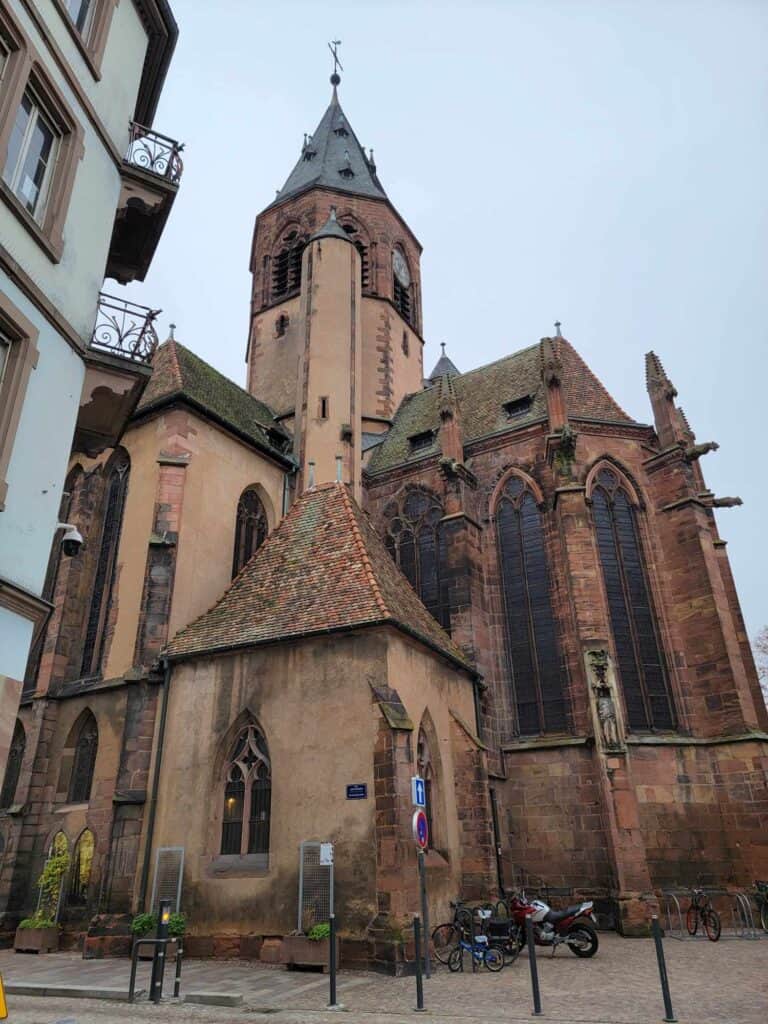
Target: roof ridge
x=174, y=356
x=363, y=551
x=229, y=380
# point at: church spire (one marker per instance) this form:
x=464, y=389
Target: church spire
x=333, y=158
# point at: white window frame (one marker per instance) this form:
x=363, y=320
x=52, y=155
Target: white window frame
x=38, y=108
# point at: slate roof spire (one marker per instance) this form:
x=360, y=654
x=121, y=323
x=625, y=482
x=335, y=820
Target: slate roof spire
x=332, y=157
x=444, y=367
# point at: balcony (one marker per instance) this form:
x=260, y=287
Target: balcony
x=117, y=368
x=151, y=172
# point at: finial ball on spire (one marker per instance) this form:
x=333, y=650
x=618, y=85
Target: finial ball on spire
x=335, y=79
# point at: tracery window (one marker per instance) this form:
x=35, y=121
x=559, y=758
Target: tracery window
x=250, y=528
x=84, y=761
x=13, y=766
x=247, y=797
x=535, y=663
x=104, y=578
x=413, y=538
x=425, y=769
x=639, y=656
x=286, y=264
x=80, y=871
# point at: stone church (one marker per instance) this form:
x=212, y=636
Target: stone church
x=352, y=572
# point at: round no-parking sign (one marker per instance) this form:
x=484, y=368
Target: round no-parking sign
x=420, y=829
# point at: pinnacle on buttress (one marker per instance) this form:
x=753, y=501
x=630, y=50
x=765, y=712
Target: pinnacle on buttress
x=656, y=378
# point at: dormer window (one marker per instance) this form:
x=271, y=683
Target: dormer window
x=341, y=131
x=518, y=407
x=309, y=154
x=420, y=442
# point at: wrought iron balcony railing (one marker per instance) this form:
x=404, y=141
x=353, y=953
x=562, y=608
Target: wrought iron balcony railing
x=125, y=329
x=155, y=153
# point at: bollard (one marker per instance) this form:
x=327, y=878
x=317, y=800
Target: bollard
x=158, y=961
x=419, y=981
x=332, y=961
x=534, y=970
x=177, y=978
x=670, y=1017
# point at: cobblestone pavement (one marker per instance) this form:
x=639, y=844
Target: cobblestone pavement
x=727, y=982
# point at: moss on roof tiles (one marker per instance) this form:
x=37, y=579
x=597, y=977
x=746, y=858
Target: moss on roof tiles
x=482, y=395
x=178, y=373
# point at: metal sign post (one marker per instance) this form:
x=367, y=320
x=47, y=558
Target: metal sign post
x=421, y=836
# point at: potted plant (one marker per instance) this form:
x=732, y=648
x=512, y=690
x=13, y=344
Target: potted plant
x=40, y=932
x=144, y=924
x=37, y=934
x=311, y=949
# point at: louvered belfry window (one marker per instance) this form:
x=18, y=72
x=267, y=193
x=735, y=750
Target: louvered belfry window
x=414, y=539
x=639, y=656
x=13, y=765
x=250, y=528
x=247, y=797
x=536, y=666
x=104, y=578
x=84, y=762
x=286, y=265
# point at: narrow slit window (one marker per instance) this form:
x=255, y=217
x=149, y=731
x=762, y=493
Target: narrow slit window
x=323, y=408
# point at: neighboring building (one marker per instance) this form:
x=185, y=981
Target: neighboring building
x=567, y=670
x=85, y=189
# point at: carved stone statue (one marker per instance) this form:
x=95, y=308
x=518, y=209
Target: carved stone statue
x=606, y=714
x=726, y=502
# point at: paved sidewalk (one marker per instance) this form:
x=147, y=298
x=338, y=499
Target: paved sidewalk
x=722, y=982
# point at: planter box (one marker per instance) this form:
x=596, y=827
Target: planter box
x=36, y=940
x=299, y=951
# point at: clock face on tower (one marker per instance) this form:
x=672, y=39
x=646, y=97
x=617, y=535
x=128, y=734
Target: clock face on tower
x=400, y=268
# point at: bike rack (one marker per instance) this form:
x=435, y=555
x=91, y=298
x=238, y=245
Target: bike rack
x=155, y=943
x=739, y=915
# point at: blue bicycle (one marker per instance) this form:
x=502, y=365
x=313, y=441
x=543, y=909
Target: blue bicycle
x=480, y=951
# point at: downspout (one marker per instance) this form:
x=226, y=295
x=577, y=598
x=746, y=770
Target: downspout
x=155, y=783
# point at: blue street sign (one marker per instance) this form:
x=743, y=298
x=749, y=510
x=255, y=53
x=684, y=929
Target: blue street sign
x=418, y=792
x=357, y=791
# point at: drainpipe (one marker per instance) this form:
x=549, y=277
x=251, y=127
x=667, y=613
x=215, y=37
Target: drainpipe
x=155, y=783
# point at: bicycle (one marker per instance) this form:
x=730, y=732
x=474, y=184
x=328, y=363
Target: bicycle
x=761, y=898
x=701, y=908
x=446, y=937
x=481, y=952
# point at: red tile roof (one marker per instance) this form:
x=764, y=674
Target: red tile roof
x=323, y=569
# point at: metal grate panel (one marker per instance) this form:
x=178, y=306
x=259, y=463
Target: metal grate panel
x=315, y=887
x=169, y=872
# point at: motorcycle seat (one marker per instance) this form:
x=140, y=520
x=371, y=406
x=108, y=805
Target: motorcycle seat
x=558, y=915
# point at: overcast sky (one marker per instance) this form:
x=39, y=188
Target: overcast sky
x=602, y=163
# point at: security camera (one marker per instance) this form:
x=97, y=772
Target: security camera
x=72, y=540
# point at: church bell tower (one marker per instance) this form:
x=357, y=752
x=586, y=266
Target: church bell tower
x=335, y=338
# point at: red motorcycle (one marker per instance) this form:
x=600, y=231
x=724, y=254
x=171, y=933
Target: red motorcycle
x=553, y=927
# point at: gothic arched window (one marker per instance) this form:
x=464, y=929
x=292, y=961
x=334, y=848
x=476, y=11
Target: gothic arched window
x=247, y=797
x=84, y=761
x=250, y=528
x=413, y=538
x=106, y=564
x=80, y=872
x=536, y=667
x=425, y=769
x=402, y=286
x=13, y=767
x=286, y=264
x=639, y=657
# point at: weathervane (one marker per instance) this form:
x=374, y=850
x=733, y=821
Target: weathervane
x=333, y=46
